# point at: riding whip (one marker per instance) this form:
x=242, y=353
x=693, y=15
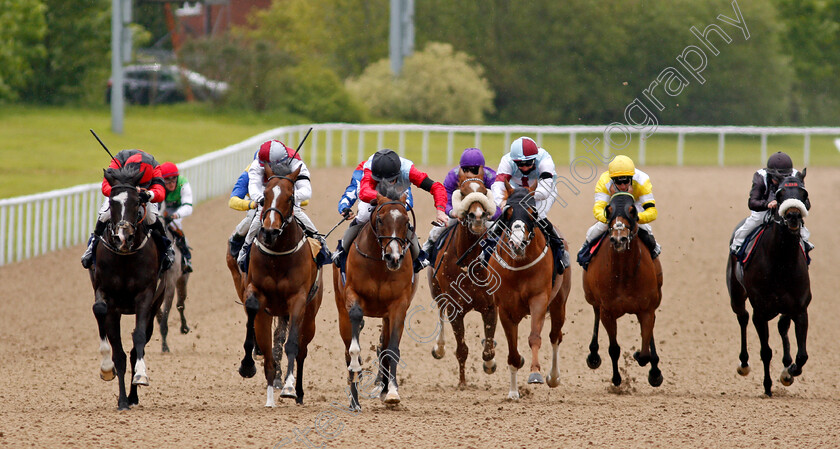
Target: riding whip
x=334, y=227
x=299, y=145
x=103, y=146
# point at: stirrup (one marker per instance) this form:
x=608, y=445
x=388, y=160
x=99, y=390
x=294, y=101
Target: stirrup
x=186, y=267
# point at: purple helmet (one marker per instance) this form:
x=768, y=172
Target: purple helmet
x=472, y=157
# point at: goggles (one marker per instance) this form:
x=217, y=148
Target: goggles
x=620, y=180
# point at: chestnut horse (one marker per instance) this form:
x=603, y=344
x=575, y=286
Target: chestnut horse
x=379, y=283
x=529, y=285
x=776, y=281
x=176, y=282
x=623, y=278
x=282, y=280
x=458, y=289
x=125, y=282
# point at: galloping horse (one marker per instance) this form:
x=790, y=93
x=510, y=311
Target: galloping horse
x=125, y=282
x=379, y=283
x=283, y=280
x=777, y=283
x=623, y=278
x=176, y=282
x=529, y=286
x=459, y=289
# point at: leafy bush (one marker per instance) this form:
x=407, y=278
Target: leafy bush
x=22, y=30
x=437, y=85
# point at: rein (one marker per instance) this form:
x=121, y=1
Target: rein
x=403, y=243
x=129, y=252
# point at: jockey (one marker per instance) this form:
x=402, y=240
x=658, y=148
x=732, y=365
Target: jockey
x=622, y=176
x=239, y=200
x=351, y=193
x=762, y=200
x=386, y=166
x=525, y=165
x=274, y=151
x=471, y=160
x=152, y=192
x=178, y=205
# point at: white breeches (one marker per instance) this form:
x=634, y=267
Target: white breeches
x=151, y=212
x=256, y=223
x=600, y=228
x=753, y=221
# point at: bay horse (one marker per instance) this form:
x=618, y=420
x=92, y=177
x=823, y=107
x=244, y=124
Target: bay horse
x=379, y=283
x=459, y=289
x=623, y=278
x=176, y=283
x=125, y=282
x=529, y=285
x=282, y=280
x=777, y=282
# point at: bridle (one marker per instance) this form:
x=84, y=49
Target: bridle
x=778, y=218
x=402, y=243
x=468, y=220
x=123, y=223
x=284, y=220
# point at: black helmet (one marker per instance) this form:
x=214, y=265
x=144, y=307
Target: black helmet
x=779, y=165
x=385, y=165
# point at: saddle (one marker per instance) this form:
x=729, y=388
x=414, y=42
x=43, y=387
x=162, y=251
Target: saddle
x=588, y=251
x=745, y=254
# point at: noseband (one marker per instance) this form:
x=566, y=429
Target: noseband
x=401, y=242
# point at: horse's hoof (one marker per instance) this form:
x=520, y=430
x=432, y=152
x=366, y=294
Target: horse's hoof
x=288, y=392
x=743, y=370
x=438, y=355
x=277, y=384
x=140, y=379
x=535, y=378
x=392, y=398
x=133, y=400
x=164, y=349
x=786, y=379
x=185, y=329
x=490, y=366
x=593, y=360
x=484, y=342
x=655, y=381
x=247, y=371
x=376, y=391
x=257, y=357
x=616, y=380
x=107, y=375
x=637, y=356
x=513, y=395
x=123, y=406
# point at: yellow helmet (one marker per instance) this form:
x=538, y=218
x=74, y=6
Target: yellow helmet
x=622, y=166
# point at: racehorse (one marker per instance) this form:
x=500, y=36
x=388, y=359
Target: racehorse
x=529, y=285
x=282, y=280
x=379, y=283
x=458, y=289
x=776, y=281
x=176, y=282
x=125, y=282
x=623, y=278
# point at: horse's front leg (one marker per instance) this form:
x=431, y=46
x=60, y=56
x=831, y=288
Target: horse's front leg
x=380, y=383
x=761, y=328
x=181, y=286
x=648, y=352
x=614, y=349
x=163, y=320
x=539, y=306
x=292, y=347
x=489, y=317
x=784, y=326
x=263, y=337
x=390, y=357
x=355, y=316
x=515, y=360
x=593, y=360
x=557, y=309
x=144, y=324
x=795, y=369
x=112, y=322
x=247, y=368
x=100, y=311
x=462, y=351
x=282, y=325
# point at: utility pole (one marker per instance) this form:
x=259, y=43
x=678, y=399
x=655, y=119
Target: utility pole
x=402, y=33
x=120, y=53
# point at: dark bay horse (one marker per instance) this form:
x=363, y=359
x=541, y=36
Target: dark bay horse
x=776, y=281
x=529, y=285
x=623, y=278
x=379, y=283
x=176, y=282
x=125, y=282
x=458, y=289
x=283, y=280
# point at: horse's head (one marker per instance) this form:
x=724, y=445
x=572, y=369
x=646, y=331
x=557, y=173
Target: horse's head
x=622, y=219
x=519, y=216
x=126, y=210
x=472, y=203
x=793, y=201
x=279, y=200
x=390, y=223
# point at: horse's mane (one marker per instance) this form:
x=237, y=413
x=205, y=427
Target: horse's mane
x=125, y=175
x=522, y=197
x=281, y=168
x=392, y=191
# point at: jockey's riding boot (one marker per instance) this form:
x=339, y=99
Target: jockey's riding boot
x=181, y=242
x=584, y=255
x=647, y=238
x=349, y=235
x=242, y=258
x=489, y=242
x=164, y=244
x=556, y=242
x=236, y=242
x=324, y=255
x=339, y=257
x=419, y=257
x=88, y=256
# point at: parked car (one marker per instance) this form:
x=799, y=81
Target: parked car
x=156, y=83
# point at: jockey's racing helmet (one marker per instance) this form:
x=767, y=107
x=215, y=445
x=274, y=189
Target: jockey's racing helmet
x=273, y=151
x=385, y=166
x=779, y=165
x=523, y=149
x=622, y=166
x=168, y=170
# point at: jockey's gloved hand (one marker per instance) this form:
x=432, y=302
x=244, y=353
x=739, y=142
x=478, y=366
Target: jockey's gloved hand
x=145, y=196
x=261, y=201
x=346, y=213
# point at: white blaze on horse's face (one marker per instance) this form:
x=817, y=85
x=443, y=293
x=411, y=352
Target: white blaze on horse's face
x=122, y=235
x=620, y=236
x=271, y=214
x=518, y=236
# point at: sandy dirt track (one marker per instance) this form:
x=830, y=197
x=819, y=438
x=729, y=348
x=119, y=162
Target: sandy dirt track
x=51, y=394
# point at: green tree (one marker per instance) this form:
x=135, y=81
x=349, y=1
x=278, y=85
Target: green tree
x=22, y=29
